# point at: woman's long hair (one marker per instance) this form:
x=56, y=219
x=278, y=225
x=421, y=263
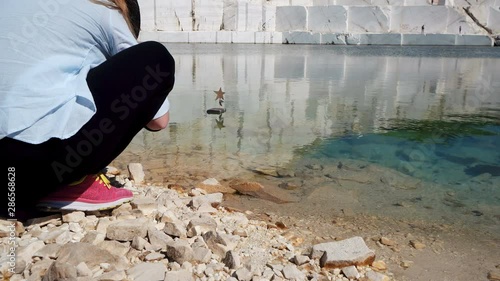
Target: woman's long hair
x=130, y=11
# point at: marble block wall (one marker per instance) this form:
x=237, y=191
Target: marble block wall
x=347, y=21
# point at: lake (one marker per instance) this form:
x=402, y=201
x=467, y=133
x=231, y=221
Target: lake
x=406, y=132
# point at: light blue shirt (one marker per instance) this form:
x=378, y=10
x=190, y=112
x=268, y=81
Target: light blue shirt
x=47, y=48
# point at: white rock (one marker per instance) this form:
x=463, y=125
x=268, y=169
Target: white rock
x=147, y=272
x=76, y=216
x=376, y=276
x=202, y=37
x=147, y=8
x=410, y=19
x=351, y=272
x=207, y=15
x=174, y=15
x=352, y=251
x=329, y=19
x=428, y=39
x=181, y=275
x=368, y=19
x=136, y=172
x=291, y=272
x=494, y=19
x=297, y=37
x=292, y=18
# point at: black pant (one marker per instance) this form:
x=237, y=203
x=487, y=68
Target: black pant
x=128, y=90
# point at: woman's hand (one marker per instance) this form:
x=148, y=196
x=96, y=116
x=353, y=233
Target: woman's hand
x=159, y=123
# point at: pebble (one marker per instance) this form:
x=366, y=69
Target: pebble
x=417, y=245
x=386, y=241
x=379, y=265
x=406, y=263
x=494, y=275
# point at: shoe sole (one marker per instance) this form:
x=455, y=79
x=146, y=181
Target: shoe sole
x=55, y=206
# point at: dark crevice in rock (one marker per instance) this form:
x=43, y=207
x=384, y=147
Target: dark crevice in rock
x=471, y=15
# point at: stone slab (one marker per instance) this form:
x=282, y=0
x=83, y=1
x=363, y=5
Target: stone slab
x=428, y=39
x=147, y=8
x=263, y=37
x=410, y=20
x=174, y=15
x=299, y=37
x=202, y=37
x=292, y=18
x=173, y=36
x=473, y=40
x=380, y=39
x=368, y=19
x=268, y=18
x=460, y=23
x=328, y=19
x=208, y=14
x=323, y=2
x=148, y=36
x=224, y=36
x=241, y=37
x=333, y=38
x=494, y=20
x=353, y=2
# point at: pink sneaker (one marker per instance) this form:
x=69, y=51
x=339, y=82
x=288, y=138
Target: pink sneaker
x=92, y=193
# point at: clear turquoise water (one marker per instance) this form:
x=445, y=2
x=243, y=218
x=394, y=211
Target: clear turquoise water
x=445, y=152
x=432, y=113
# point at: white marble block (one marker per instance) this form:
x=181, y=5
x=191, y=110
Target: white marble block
x=459, y=23
x=428, y=39
x=242, y=16
x=494, y=20
x=202, y=37
x=147, y=8
x=300, y=37
x=418, y=2
x=262, y=37
x=243, y=37
x=473, y=40
x=173, y=36
x=388, y=2
x=207, y=14
x=301, y=2
x=333, y=39
x=268, y=17
x=353, y=2
x=380, y=39
x=280, y=2
x=229, y=11
x=148, y=36
x=323, y=2
x=292, y=18
x=419, y=19
x=253, y=17
x=224, y=36
x=481, y=12
x=325, y=19
x=174, y=15
x=368, y=19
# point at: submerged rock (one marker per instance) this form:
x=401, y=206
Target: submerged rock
x=255, y=189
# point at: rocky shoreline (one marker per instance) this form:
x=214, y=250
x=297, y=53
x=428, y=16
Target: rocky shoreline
x=177, y=234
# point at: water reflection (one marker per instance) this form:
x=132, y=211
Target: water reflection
x=280, y=98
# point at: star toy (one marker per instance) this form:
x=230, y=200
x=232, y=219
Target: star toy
x=220, y=96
